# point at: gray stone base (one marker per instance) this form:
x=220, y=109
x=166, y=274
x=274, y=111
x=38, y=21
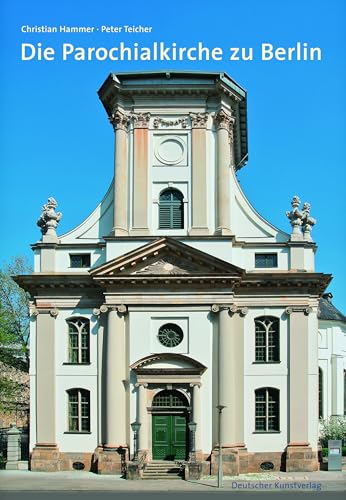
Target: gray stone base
x=18, y=465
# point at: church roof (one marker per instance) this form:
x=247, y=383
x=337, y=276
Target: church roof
x=327, y=311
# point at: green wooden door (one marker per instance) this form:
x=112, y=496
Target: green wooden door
x=169, y=437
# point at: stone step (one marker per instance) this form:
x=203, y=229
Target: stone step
x=163, y=466
x=162, y=471
x=156, y=476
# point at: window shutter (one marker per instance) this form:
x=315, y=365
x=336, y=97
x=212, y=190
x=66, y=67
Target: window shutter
x=171, y=210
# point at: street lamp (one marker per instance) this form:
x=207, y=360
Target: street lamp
x=219, y=469
x=135, y=427
x=192, y=427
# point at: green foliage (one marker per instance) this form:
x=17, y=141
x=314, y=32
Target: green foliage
x=14, y=314
x=14, y=334
x=333, y=428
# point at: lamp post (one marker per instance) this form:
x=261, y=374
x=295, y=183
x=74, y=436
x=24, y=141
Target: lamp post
x=135, y=427
x=219, y=469
x=192, y=427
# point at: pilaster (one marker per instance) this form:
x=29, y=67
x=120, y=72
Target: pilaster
x=45, y=456
x=140, y=174
x=199, y=174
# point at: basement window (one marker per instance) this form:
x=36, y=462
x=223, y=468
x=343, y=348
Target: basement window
x=263, y=260
x=80, y=260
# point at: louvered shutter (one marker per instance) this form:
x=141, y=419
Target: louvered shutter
x=171, y=210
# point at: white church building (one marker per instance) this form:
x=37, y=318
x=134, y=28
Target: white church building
x=176, y=302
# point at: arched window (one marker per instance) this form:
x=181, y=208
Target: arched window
x=267, y=412
x=171, y=209
x=169, y=399
x=320, y=393
x=267, y=347
x=78, y=410
x=78, y=340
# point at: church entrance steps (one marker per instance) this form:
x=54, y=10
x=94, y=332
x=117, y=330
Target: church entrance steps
x=162, y=469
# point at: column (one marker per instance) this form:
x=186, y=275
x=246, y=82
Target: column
x=140, y=174
x=196, y=414
x=199, y=174
x=337, y=385
x=142, y=416
x=224, y=143
x=231, y=378
x=301, y=453
x=115, y=372
x=120, y=122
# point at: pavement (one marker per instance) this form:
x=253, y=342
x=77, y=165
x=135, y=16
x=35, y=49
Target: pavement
x=87, y=481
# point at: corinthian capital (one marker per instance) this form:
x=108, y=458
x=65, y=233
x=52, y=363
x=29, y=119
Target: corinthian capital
x=120, y=120
x=224, y=120
x=141, y=120
x=199, y=120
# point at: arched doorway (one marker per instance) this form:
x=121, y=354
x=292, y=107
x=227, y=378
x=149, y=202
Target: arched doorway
x=169, y=426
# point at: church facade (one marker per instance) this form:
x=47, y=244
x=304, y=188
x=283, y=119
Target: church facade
x=175, y=301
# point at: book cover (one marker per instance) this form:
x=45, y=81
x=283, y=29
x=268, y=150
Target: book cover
x=271, y=77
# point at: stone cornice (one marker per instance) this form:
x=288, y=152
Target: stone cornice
x=71, y=246
x=304, y=282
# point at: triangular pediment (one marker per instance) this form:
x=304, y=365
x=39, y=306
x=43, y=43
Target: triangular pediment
x=166, y=257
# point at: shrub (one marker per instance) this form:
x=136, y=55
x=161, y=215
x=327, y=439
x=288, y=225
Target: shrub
x=333, y=428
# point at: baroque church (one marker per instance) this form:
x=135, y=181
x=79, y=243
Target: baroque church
x=176, y=303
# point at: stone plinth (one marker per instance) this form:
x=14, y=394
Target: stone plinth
x=110, y=461
x=45, y=458
x=231, y=459
x=301, y=459
x=192, y=471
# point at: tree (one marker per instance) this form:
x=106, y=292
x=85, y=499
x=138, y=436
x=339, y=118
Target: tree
x=14, y=334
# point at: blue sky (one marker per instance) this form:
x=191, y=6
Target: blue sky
x=56, y=140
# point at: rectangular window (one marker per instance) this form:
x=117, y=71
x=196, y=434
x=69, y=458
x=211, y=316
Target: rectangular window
x=263, y=260
x=80, y=260
x=78, y=410
x=267, y=410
